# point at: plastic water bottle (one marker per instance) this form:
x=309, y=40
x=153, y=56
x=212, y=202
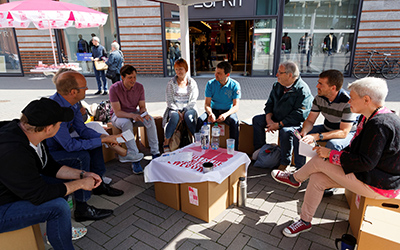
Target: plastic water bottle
x=205, y=136
x=215, y=137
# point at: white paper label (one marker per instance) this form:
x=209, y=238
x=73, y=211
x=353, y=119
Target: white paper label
x=357, y=201
x=193, y=197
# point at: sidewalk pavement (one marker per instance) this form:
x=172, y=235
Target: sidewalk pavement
x=140, y=222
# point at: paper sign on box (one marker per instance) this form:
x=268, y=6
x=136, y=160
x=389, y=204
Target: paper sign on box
x=193, y=196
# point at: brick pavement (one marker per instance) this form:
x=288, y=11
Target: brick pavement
x=140, y=222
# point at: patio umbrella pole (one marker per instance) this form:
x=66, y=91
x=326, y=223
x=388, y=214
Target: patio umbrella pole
x=52, y=46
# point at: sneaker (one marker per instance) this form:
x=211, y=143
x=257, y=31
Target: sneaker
x=78, y=232
x=131, y=157
x=155, y=156
x=283, y=177
x=136, y=168
x=296, y=228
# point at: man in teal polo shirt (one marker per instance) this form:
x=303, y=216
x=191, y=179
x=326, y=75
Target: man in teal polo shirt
x=222, y=96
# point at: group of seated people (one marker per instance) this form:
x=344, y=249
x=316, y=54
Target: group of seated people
x=42, y=162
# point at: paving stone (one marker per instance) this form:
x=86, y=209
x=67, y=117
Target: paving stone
x=302, y=243
x=122, y=226
x=204, y=231
x=149, y=239
x=149, y=217
x=86, y=243
x=126, y=244
x=176, y=216
x=260, y=245
x=97, y=236
x=287, y=243
x=178, y=227
x=101, y=226
x=120, y=237
x=254, y=233
x=314, y=237
x=187, y=245
x=148, y=227
x=169, y=211
x=123, y=216
x=239, y=242
x=180, y=239
x=230, y=234
x=149, y=207
x=142, y=246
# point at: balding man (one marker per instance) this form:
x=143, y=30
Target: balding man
x=288, y=105
x=83, y=152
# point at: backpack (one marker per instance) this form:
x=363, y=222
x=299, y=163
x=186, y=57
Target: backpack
x=269, y=156
x=102, y=112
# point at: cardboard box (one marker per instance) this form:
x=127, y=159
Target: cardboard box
x=224, y=134
x=234, y=183
x=379, y=229
x=204, y=200
x=28, y=238
x=359, y=204
x=246, y=138
x=108, y=154
x=349, y=195
x=168, y=194
x=160, y=133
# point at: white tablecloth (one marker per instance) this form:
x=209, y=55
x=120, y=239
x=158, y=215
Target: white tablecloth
x=192, y=172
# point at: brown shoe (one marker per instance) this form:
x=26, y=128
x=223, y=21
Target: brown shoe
x=282, y=167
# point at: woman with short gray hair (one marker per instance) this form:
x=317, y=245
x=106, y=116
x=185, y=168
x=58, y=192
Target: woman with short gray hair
x=369, y=166
x=115, y=63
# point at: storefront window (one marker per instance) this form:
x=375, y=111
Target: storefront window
x=267, y=7
x=263, y=47
x=172, y=39
x=318, y=35
x=76, y=43
x=9, y=58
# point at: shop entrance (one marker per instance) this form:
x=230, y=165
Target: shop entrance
x=216, y=41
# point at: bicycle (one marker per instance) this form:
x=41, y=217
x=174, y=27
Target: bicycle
x=388, y=69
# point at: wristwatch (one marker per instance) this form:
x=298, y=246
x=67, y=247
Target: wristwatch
x=321, y=137
x=280, y=125
x=82, y=173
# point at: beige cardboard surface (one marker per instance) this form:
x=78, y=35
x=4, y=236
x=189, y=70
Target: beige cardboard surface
x=168, y=194
x=246, y=138
x=28, y=238
x=212, y=198
x=358, y=206
x=379, y=229
x=349, y=195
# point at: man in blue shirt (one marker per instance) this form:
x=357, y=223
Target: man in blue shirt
x=222, y=96
x=83, y=152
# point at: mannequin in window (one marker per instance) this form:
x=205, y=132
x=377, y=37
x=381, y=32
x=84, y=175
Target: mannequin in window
x=305, y=49
x=330, y=44
x=286, y=45
x=83, y=46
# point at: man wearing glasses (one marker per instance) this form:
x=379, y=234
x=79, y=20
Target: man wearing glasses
x=288, y=105
x=83, y=152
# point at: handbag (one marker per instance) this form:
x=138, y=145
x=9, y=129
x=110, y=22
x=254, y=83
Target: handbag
x=269, y=156
x=181, y=137
x=110, y=74
x=100, y=65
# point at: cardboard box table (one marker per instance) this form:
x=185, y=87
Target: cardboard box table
x=183, y=185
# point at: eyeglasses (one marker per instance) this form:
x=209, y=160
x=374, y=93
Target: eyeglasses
x=281, y=73
x=86, y=87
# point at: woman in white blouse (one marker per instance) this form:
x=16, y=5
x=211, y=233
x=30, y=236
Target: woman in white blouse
x=181, y=97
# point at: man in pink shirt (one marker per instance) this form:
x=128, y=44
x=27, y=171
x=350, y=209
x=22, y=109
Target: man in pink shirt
x=128, y=110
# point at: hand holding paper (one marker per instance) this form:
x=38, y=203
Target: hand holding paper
x=126, y=136
x=306, y=149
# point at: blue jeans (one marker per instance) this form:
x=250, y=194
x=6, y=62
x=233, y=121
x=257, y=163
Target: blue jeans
x=336, y=144
x=20, y=214
x=190, y=120
x=102, y=74
x=232, y=121
x=285, y=138
x=89, y=160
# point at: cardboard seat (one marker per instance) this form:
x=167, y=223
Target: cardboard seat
x=28, y=238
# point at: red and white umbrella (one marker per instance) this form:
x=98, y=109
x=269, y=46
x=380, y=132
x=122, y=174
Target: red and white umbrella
x=48, y=14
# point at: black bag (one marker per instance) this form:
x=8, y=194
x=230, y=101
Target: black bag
x=102, y=112
x=269, y=156
x=110, y=74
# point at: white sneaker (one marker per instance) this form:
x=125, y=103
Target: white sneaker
x=131, y=157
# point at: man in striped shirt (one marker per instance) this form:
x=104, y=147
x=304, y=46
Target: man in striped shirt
x=339, y=124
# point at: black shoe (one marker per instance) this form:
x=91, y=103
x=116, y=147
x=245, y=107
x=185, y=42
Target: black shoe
x=105, y=93
x=92, y=213
x=329, y=192
x=98, y=92
x=107, y=190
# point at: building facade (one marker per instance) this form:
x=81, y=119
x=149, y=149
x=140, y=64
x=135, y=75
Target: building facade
x=254, y=35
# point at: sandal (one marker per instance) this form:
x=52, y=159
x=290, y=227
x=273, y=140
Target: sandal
x=167, y=149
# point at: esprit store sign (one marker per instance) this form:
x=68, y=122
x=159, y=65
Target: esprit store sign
x=223, y=9
x=231, y=3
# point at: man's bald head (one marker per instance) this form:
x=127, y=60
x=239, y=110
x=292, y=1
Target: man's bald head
x=67, y=81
